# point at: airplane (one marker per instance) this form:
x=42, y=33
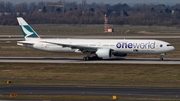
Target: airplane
x=93, y=48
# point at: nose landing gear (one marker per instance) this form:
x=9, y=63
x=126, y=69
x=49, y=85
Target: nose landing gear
x=161, y=56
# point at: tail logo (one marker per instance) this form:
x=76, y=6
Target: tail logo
x=26, y=32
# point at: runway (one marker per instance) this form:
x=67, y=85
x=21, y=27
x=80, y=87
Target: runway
x=20, y=37
x=93, y=90
x=80, y=60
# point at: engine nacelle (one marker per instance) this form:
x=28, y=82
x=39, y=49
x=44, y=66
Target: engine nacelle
x=103, y=53
x=119, y=54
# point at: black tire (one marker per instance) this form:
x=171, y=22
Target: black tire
x=84, y=58
x=161, y=59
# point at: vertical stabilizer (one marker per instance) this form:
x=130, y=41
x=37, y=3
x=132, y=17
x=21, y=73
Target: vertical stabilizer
x=27, y=31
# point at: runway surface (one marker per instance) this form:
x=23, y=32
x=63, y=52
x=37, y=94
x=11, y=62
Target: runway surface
x=20, y=37
x=96, y=91
x=80, y=60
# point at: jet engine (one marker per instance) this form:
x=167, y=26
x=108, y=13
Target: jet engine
x=103, y=53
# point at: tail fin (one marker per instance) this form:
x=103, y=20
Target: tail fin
x=27, y=31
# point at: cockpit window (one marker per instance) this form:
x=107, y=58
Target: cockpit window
x=169, y=45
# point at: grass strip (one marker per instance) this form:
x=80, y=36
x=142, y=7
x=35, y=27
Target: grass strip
x=91, y=74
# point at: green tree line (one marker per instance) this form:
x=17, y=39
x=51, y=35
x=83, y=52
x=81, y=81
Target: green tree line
x=66, y=12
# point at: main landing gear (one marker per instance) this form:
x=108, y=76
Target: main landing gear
x=91, y=58
x=86, y=58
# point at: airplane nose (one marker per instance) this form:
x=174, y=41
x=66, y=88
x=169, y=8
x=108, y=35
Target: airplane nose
x=172, y=48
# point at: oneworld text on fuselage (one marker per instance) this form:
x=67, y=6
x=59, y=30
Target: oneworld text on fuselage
x=141, y=45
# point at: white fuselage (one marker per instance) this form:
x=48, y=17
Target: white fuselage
x=119, y=45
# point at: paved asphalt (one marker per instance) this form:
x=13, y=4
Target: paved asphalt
x=79, y=60
x=97, y=91
x=20, y=37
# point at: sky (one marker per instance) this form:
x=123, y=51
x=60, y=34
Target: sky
x=107, y=1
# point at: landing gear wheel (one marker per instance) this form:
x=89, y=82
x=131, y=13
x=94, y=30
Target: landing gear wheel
x=86, y=58
x=161, y=57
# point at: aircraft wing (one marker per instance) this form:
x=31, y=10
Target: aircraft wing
x=80, y=47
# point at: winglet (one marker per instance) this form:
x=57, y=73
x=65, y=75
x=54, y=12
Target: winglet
x=27, y=31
